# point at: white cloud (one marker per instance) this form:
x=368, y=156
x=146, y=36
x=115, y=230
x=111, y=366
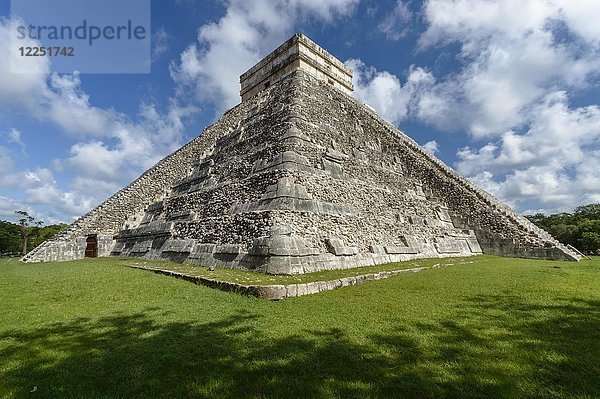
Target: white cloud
x=6, y=163
x=42, y=198
x=68, y=106
x=160, y=43
x=21, y=85
x=211, y=67
x=13, y=136
x=520, y=62
x=113, y=149
x=511, y=59
x=383, y=90
x=554, y=163
x=8, y=206
x=582, y=18
x=42, y=192
x=60, y=99
x=94, y=160
x=325, y=10
x=396, y=25
x=431, y=146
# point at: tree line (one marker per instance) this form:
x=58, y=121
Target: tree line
x=581, y=228
x=20, y=238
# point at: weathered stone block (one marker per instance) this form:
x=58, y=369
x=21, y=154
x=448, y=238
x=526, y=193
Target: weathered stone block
x=178, y=245
x=395, y=249
x=443, y=215
x=337, y=247
x=182, y=215
x=447, y=246
x=271, y=292
x=151, y=229
x=377, y=249
x=295, y=135
x=311, y=288
x=206, y=248
x=334, y=168
x=282, y=245
x=474, y=245
x=233, y=249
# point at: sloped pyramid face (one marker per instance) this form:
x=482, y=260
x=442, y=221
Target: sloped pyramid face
x=301, y=177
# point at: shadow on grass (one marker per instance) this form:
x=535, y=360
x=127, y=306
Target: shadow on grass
x=496, y=347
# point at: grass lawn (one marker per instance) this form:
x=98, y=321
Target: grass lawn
x=492, y=328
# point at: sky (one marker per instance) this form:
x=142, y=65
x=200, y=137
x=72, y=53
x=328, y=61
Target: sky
x=506, y=92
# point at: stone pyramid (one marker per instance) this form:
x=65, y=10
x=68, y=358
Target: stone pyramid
x=300, y=177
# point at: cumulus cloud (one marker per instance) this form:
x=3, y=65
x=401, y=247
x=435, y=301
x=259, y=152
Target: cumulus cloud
x=6, y=162
x=431, y=146
x=112, y=147
x=511, y=60
x=210, y=68
x=554, y=163
x=8, y=206
x=160, y=43
x=13, y=136
x=383, y=90
x=22, y=79
x=42, y=197
x=43, y=193
x=397, y=24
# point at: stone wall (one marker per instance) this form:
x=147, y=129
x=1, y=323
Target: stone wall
x=297, y=53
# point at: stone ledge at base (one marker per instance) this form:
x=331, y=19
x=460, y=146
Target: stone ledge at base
x=276, y=292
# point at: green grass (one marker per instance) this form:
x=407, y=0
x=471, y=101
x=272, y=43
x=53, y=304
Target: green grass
x=255, y=278
x=493, y=328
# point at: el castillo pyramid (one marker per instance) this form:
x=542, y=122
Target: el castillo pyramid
x=300, y=177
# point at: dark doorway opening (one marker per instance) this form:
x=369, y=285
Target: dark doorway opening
x=91, y=246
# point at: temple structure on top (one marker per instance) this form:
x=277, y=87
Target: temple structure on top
x=298, y=53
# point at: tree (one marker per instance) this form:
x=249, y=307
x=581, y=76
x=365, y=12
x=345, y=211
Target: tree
x=44, y=233
x=591, y=226
x=591, y=211
x=25, y=222
x=567, y=233
x=580, y=229
x=538, y=218
x=10, y=238
x=590, y=240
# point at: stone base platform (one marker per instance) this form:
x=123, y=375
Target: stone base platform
x=276, y=292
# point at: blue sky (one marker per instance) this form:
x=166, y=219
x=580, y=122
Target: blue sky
x=506, y=92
